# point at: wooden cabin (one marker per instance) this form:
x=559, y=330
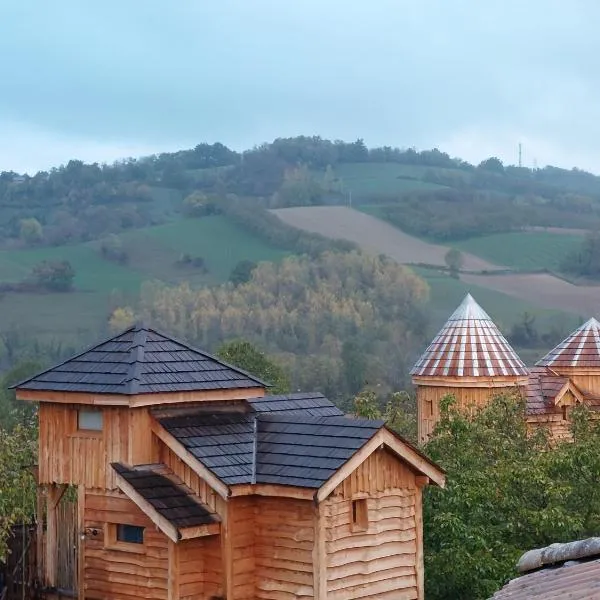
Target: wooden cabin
x=568, y=375
x=470, y=359
x=168, y=474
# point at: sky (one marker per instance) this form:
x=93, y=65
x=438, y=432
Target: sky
x=99, y=81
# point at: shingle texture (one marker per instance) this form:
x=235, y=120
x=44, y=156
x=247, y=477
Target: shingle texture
x=469, y=345
x=167, y=494
x=140, y=361
x=542, y=388
x=285, y=448
x=310, y=404
x=561, y=571
x=580, y=349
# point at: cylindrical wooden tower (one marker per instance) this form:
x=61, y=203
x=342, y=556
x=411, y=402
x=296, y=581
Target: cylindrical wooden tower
x=470, y=359
x=578, y=358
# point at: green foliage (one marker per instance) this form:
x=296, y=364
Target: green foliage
x=199, y=204
x=299, y=188
x=242, y=272
x=54, y=276
x=248, y=357
x=13, y=412
x=30, y=231
x=111, y=248
x=454, y=261
x=585, y=260
x=18, y=453
x=507, y=492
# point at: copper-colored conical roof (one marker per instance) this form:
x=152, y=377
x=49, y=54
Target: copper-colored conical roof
x=469, y=345
x=580, y=349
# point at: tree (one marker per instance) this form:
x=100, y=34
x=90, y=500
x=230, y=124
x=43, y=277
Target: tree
x=492, y=164
x=242, y=272
x=121, y=318
x=454, y=261
x=248, y=357
x=112, y=249
x=56, y=276
x=30, y=231
x=13, y=412
x=507, y=491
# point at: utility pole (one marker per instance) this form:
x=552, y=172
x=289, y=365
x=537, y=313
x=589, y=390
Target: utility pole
x=520, y=155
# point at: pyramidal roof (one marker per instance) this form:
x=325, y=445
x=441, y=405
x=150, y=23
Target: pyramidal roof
x=580, y=349
x=469, y=345
x=141, y=360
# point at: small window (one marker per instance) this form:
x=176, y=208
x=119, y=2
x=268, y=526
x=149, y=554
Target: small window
x=131, y=534
x=89, y=420
x=565, y=413
x=360, y=515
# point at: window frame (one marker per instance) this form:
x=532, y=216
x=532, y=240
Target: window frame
x=359, y=514
x=112, y=541
x=87, y=430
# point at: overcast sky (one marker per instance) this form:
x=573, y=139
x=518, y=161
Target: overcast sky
x=116, y=78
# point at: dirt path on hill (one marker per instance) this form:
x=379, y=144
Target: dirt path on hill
x=372, y=234
x=380, y=237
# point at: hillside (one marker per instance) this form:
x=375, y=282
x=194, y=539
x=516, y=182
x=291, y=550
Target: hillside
x=192, y=216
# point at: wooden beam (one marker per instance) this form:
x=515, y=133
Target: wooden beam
x=226, y=551
x=163, y=524
x=80, y=542
x=55, y=493
x=191, y=461
x=189, y=533
x=419, y=560
x=471, y=382
x=39, y=550
x=138, y=400
x=383, y=438
x=319, y=554
x=173, y=572
x=274, y=491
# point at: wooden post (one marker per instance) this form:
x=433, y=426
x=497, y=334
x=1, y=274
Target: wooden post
x=173, y=583
x=39, y=543
x=319, y=554
x=55, y=493
x=81, y=542
x=226, y=553
x=421, y=482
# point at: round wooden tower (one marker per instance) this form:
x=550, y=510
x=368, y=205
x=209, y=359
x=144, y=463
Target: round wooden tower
x=470, y=359
x=578, y=358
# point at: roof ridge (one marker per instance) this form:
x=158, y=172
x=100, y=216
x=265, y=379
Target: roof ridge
x=254, y=448
x=137, y=354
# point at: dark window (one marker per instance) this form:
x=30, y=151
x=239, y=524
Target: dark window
x=360, y=515
x=130, y=534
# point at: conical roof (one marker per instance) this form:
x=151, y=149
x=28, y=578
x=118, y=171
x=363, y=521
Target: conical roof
x=469, y=345
x=141, y=360
x=580, y=349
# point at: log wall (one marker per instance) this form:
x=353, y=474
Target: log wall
x=69, y=456
x=429, y=397
x=385, y=560
x=122, y=574
x=284, y=537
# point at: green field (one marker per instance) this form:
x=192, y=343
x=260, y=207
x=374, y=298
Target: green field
x=364, y=180
x=446, y=294
x=525, y=250
x=153, y=253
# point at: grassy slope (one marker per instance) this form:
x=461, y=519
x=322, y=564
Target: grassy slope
x=153, y=252
x=522, y=250
x=363, y=179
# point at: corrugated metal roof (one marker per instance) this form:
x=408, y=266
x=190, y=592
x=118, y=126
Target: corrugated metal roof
x=167, y=494
x=559, y=571
x=141, y=360
x=469, y=345
x=580, y=349
x=278, y=447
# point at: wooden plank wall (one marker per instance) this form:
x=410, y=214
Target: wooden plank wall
x=191, y=569
x=241, y=524
x=380, y=562
x=75, y=457
x=191, y=479
x=120, y=574
x=284, y=538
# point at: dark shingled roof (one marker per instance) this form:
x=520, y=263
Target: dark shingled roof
x=543, y=386
x=281, y=448
x=167, y=495
x=310, y=404
x=141, y=361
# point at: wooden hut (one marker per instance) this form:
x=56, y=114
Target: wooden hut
x=470, y=359
x=568, y=375
x=186, y=481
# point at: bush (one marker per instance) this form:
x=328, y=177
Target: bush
x=56, y=276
